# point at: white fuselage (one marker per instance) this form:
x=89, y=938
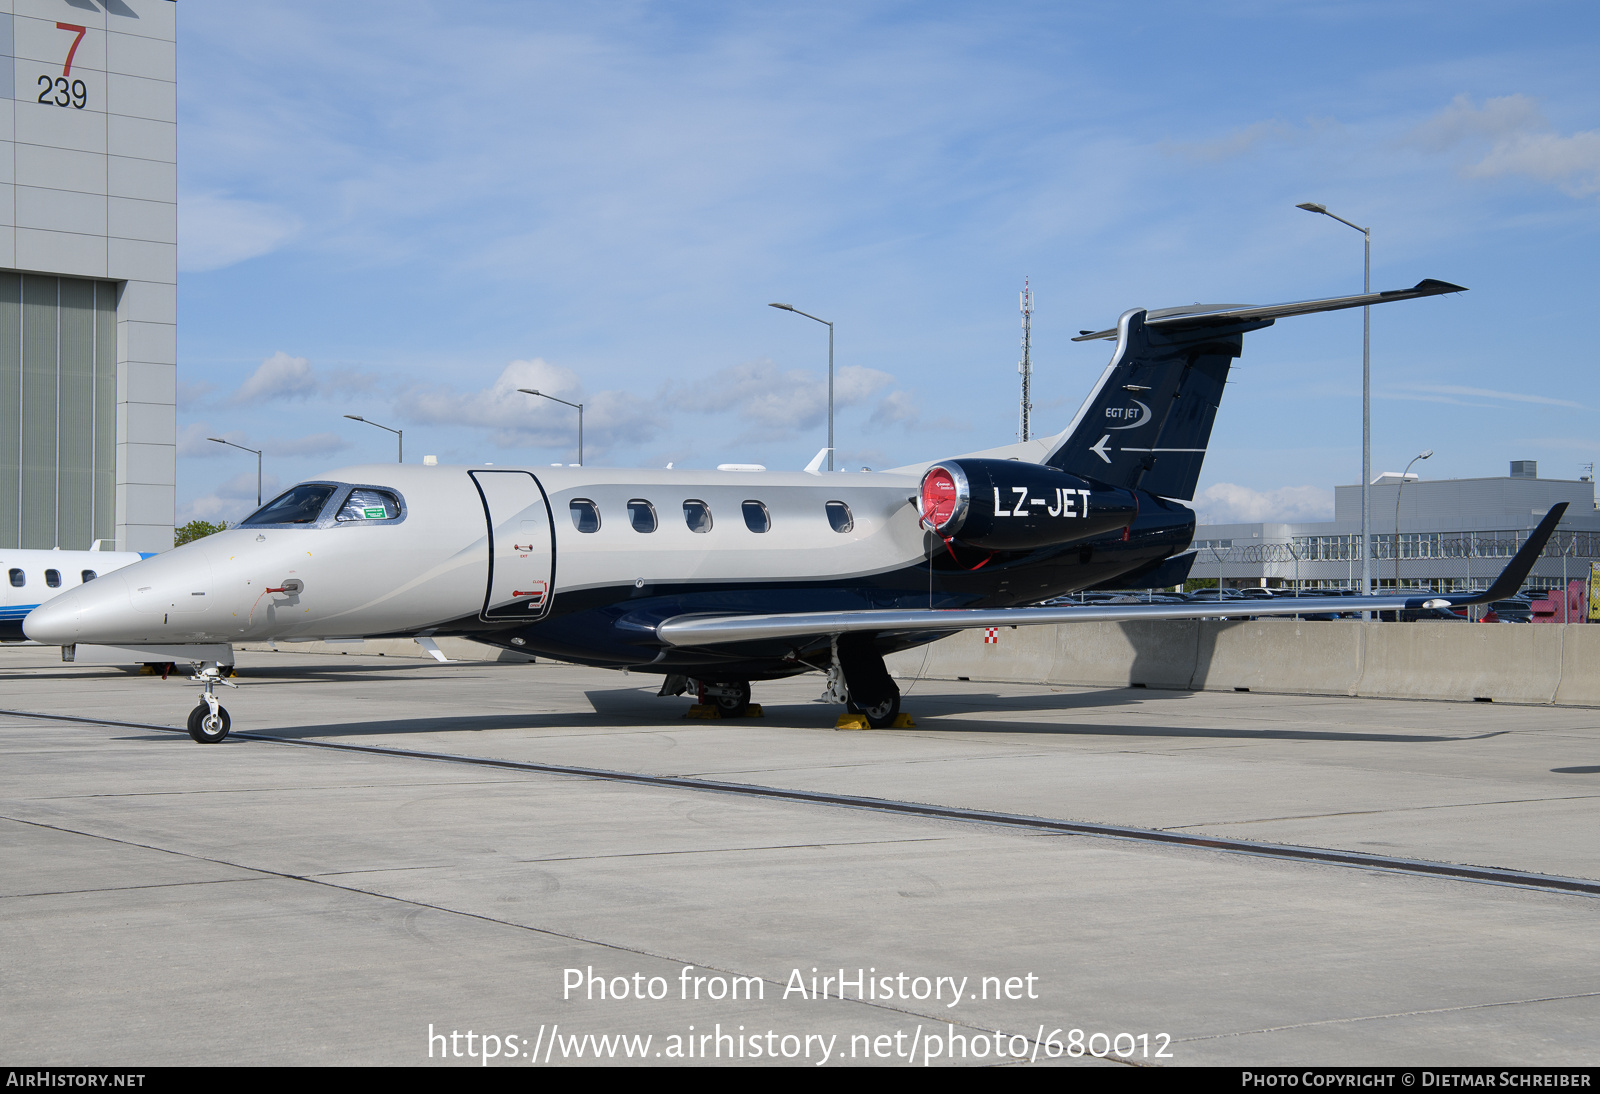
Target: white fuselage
x=489, y=544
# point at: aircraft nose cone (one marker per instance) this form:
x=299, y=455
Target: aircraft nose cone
x=53, y=623
x=80, y=614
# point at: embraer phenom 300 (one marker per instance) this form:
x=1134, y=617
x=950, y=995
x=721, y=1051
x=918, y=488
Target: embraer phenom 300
x=714, y=579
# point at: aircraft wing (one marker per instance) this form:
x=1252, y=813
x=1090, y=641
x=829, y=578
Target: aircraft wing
x=717, y=630
x=1201, y=316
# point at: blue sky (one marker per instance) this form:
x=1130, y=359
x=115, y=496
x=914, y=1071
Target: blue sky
x=407, y=211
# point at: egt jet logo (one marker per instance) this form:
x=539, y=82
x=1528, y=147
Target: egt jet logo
x=1125, y=412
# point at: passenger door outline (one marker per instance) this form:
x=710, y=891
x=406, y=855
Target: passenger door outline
x=527, y=608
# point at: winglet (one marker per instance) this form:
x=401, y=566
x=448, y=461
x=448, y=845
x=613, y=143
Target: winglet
x=1517, y=570
x=815, y=466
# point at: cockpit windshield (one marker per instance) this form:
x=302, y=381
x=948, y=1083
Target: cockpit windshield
x=297, y=505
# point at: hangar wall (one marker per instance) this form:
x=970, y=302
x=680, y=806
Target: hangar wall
x=88, y=273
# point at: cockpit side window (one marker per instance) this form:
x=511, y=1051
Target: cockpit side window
x=88, y=576
x=298, y=505
x=367, y=504
x=839, y=516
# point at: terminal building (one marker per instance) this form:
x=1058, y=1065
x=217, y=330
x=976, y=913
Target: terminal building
x=1453, y=535
x=88, y=273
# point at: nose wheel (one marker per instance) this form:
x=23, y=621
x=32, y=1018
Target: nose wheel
x=208, y=722
x=207, y=726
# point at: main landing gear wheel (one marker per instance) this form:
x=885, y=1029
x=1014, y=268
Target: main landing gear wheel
x=882, y=715
x=207, y=728
x=736, y=704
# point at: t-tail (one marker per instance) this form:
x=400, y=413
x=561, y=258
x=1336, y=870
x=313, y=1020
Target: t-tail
x=1147, y=423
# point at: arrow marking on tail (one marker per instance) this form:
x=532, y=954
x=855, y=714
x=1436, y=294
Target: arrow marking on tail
x=1099, y=448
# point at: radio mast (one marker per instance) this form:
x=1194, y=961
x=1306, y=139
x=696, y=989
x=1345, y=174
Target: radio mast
x=1025, y=366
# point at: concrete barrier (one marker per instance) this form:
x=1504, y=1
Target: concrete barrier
x=1279, y=655
x=1156, y=654
x=1501, y=662
x=1559, y=663
x=1580, y=665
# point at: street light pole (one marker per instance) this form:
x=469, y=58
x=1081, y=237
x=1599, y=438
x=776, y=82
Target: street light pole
x=1366, y=398
x=797, y=311
x=1397, y=492
x=552, y=398
x=242, y=448
x=399, y=434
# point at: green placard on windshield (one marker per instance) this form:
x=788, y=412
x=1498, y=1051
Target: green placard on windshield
x=378, y=513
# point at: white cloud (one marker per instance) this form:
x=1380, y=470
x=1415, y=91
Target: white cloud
x=778, y=404
x=314, y=444
x=897, y=406
x=279, y=377
x=1229, y=503
x=214, y=231
x=194, y=440
x=1449, y=393
x=1234, y=144
x=1520, y=142
x=520, y=420
x=232, y=500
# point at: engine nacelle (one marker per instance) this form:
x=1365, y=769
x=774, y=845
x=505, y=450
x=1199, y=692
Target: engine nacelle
x=1007, y=505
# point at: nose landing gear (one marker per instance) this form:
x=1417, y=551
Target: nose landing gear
x=208, y=722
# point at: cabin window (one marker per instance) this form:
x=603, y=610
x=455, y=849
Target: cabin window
x=364, y=504
x=52, y=578
x=585, y=514
x=756, y=517
x=88, y=576
x=642, y=515
x=697, y=515
x=839, y=516
x=18, y=578
x=298, y=505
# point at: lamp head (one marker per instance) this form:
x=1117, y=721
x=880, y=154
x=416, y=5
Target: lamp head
x=783, y=307
x=219, y=440
x=355, y=417
x=1312, y=207
x=1426, y=454
x=529, y=391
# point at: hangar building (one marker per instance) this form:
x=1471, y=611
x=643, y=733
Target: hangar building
x=1452, y=535
x=88, y=273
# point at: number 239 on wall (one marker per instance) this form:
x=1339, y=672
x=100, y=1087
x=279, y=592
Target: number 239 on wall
x=63, y=90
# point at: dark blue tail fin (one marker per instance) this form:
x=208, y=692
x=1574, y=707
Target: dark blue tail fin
x=1148, y=422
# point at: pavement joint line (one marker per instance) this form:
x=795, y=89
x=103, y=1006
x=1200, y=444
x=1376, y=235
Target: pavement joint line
x=312, y=879
x=1378, y=812
x=126, y=888
x=1396, y=1014
x=1488, y=875
x=647, y=854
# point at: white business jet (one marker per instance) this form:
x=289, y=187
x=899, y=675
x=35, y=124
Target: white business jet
x=714, y=579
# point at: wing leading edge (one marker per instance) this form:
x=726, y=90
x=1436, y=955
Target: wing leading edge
x=718, y=630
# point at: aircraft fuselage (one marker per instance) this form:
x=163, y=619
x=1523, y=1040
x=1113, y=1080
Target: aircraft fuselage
x=580, y=564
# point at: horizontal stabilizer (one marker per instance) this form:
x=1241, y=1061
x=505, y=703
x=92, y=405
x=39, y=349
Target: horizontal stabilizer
x=1224, y=314
x=720, y=630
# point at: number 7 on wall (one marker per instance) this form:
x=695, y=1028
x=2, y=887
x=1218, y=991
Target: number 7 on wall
x=66, y=69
